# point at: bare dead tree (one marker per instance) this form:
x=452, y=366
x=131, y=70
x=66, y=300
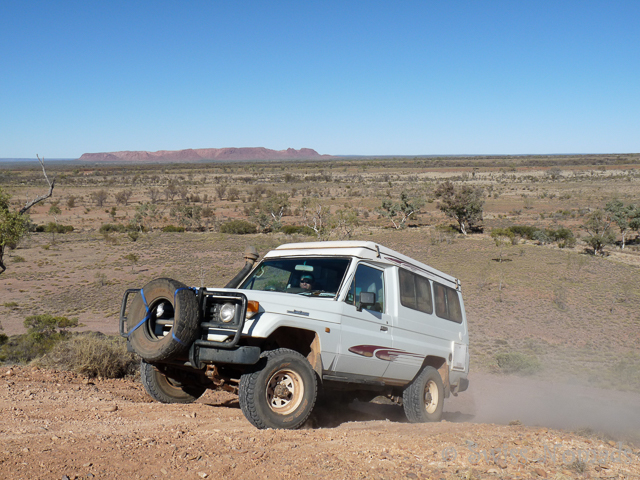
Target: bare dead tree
x=12, y=225
x=41, y=197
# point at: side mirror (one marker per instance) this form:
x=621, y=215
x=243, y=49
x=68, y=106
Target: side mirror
x=367, y=299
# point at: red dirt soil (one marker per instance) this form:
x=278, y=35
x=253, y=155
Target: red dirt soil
x=59, y=425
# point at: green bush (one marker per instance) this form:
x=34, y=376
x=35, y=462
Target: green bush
x=563, y=236
x=238, y=227
x=172, y=229
x=298, y=230
x=523, y=231
x=112, y=228
x=92, y=354
x=53, y=227
x=3, y=339
x=518, y=363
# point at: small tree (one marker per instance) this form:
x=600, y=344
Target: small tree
x=464, y=204
x=598, y=226
x=403, y=210
x=100, y=197
x=634, y=220
x=133, y=258
x=346, y=221
x=233, y=194
x=122, y=197
x=622, y=215
x=274, y=208
x=221, y=190
x=171, y=191
x=317, y=217
x=154, y=195
x=502, y=237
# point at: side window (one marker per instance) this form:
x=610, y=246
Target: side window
x=447, y=303
x=367, y=279
x=415, y=292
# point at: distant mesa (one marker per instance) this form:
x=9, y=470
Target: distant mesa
x=203, y=154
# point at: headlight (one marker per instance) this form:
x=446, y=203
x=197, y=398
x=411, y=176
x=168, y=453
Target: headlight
x=227, y=312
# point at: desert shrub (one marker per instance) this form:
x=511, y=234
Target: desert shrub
x=298, y=229
x=3, y=339
x=518, y=363
x=563, y=236
x=524, y=231
x=112, y=228
x=92, y=354
x=18, y=259
x=172, y=229
x=133, y=235
x=207, y=212
x=44, y=326
x=540, y=236
x=53, y=227
x=54, y=209
x=238, y=227
x=43, y=333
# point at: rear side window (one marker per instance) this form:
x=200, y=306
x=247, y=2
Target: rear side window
x=447, y=303
x=415, y=292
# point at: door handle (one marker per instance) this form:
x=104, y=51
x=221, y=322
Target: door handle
x=383, y=328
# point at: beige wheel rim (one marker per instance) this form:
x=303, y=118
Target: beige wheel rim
x=285, y=390
x=431, y=397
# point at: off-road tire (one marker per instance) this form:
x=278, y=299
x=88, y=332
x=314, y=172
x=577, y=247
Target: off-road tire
x=279, y=391
x=185, y=327
x=166, y=390
x=423, y=398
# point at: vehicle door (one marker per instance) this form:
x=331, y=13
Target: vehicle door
x=366, y=329
x=426, y=324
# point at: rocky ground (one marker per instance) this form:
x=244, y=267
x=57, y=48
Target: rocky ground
x=57, y=425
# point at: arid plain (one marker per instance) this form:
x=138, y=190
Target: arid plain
x=574, y=315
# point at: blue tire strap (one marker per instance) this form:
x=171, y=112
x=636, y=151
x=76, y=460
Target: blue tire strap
x=146, y=306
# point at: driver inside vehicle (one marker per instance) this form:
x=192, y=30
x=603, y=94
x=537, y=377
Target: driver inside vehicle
x=306, y=282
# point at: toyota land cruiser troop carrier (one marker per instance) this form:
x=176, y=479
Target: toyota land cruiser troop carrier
x=344, y=319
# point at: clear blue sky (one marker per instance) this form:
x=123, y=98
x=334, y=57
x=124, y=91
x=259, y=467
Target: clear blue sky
x=342, y=77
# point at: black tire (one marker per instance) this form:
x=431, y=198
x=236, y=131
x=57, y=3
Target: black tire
x=153, y=340
x=279, y=391
x=166, y=390
x=423, y=398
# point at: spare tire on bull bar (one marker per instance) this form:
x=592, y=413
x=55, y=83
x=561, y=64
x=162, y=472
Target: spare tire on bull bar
x=163, y=320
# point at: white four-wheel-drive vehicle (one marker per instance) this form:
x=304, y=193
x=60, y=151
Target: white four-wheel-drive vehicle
x=346, y=319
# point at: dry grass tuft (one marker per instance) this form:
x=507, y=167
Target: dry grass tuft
x=92, y=354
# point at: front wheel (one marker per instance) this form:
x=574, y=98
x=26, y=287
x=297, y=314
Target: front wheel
x=280, y=391
x=423, y=398
x=165, y=389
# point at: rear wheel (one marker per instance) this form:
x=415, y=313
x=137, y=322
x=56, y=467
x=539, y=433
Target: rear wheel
x=423, y=399
x=167, y=390
x=280, y=391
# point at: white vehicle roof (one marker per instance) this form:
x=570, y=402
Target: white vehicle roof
x=359, y=249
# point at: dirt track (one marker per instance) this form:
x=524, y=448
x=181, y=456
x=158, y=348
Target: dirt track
x=57, y=424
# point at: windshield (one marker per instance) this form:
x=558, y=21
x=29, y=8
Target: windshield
x=314, y=276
